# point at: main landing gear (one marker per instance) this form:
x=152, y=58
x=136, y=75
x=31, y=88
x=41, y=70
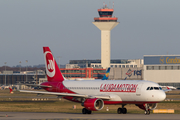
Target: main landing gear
x=122, y=110
x=86, y=111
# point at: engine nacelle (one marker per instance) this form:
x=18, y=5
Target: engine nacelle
x=93, y=104
x=150, y=106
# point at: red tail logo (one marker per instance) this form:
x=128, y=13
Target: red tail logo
x=50, y=64
x=52, y=69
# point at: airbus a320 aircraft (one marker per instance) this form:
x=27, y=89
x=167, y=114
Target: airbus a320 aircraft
x=94, y=94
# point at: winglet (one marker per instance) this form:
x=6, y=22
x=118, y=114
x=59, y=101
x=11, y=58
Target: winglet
x=106, y=76
x=52, y=69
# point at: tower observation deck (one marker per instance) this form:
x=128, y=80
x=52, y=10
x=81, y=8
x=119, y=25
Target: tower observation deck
x=105, y=22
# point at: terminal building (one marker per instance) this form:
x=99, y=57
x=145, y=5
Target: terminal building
x=13, y=78
x=114, y=63
x=162, y=69
x=121, y=69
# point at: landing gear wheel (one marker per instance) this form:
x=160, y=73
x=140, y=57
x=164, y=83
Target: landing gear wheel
x=85, y=111
x=124, y=110
x=119, y=110
x=89, y=112
x=147, y=112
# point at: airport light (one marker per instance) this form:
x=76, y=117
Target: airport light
x=59, y=60
x=5, y=72
x=20, y=66
x=26, y=70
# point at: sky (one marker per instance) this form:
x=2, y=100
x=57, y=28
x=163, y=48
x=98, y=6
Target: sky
x=147, y=27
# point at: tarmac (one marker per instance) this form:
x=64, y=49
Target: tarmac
x=79, y=116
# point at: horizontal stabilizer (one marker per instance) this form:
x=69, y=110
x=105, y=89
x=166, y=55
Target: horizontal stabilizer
x=37, y=85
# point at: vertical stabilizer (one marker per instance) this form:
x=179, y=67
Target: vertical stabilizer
x=106, y=76
x=52, y=69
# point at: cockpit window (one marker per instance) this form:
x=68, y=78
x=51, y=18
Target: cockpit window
x=156, y=88
x=148, y=88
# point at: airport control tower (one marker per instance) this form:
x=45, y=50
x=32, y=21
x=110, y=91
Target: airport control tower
x=105, y=22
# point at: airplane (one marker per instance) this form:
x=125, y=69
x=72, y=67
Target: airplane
x=169, y=87
x=93, y=95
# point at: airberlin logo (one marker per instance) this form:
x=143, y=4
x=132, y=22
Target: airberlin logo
x=50, y=64
x=118, y=87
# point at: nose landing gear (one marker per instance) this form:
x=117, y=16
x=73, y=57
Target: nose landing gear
x=147, y=111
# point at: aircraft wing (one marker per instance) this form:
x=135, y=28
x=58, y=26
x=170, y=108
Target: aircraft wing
x=68, y=94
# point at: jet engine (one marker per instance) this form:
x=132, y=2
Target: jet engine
x=93, y=104
x=150, y=106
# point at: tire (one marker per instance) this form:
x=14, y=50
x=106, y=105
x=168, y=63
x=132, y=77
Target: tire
x=89, y=112
x=124, y=110
x=147, y=112
x=84, y=111
x=119, y=110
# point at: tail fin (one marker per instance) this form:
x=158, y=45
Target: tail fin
x=167, y=87
x=106, y=76
x=52, y=69
x=11, y=91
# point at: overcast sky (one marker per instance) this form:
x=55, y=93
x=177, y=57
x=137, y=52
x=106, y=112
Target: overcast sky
x=147, y=27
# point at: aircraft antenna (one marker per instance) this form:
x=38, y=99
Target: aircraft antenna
x=113, y=5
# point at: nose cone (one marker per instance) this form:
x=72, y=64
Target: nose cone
x=162, y=95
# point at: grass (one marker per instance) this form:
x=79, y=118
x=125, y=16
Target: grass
x=67, y=107
x=22, y=102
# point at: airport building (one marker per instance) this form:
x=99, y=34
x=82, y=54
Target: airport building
x=114, y=63
x=162, y=69
x=12, y=78
x=105, y=22
x=120, y=69
x=84, y=73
